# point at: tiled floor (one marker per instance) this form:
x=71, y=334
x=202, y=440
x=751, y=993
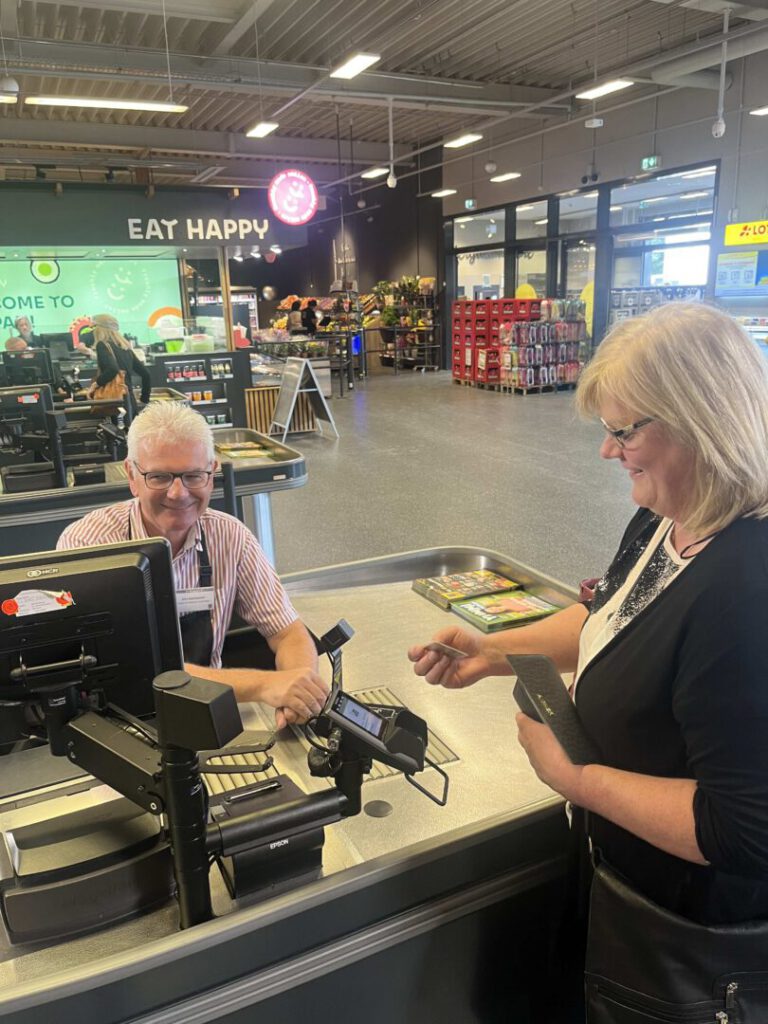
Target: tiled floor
x=422, y=462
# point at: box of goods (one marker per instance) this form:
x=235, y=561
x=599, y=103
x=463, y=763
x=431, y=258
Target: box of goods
x=527, y=309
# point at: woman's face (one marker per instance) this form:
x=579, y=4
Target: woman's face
x=661, y=470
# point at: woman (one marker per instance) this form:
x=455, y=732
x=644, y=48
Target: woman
x=114, y=354
x=295, y=325
x=671, y=661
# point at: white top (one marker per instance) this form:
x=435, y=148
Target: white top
x=654, y=570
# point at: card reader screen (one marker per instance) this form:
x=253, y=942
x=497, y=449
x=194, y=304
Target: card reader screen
x=360, y=715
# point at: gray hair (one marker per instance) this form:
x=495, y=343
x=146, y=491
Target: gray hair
x=693, y=368
x=170, y=423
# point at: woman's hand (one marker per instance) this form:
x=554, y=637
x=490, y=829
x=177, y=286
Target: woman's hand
x=548, y=759
x=456, y=673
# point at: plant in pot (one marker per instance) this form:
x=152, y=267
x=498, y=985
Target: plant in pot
x=382, y=292
x=389, y=320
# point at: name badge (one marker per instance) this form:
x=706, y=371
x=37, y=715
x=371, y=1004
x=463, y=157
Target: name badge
x=196, y=599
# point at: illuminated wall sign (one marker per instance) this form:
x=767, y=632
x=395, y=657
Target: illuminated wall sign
x=750, y=233
x=742, y=273
x=651, y=163
x=293, y=197
x=196, y=229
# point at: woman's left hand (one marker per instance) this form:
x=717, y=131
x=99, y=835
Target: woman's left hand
x=548, y=759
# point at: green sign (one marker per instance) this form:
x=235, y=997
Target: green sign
x=651, y=163
x=142, y=294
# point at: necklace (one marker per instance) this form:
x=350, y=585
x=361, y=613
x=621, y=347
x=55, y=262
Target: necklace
x=688, y=547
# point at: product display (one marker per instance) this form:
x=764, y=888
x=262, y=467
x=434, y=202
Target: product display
x=628, y=302
x=446, y=590
x=519, y=345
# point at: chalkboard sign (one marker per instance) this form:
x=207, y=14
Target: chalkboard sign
x=299, y=378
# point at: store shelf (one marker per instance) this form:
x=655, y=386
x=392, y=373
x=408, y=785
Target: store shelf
x=213, y=401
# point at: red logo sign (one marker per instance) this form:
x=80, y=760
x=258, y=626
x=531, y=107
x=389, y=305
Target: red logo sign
x=293, y=197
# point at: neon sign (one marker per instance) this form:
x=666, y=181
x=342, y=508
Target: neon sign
x=293, y=197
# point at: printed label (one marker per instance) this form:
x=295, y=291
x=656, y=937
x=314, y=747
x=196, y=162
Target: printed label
x=35, y=602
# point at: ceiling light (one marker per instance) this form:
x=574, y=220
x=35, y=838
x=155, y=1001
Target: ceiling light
x=588, y=195
x=615, y=209
x=275, y=248
x=355, y=65
x=506, y=177
x=375, y=172
x=659, y=218
x=520, y=209
x=238, y=258
x=256, y=254
x=654, y=199
x=463, y=220
x=760, y=112
x=705, y=172
x=5, y=98
x=694, y=195
x=262, y=129
x=104, y=104
x=540, y=221
x=443, y=193
x=463, y=140
x=605, y=89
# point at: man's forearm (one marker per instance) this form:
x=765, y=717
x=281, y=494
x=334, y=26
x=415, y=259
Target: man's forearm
x=294, y=648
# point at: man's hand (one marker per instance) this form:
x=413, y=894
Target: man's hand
x=297, y=693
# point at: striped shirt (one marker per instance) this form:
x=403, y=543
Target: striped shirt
x=243, y=579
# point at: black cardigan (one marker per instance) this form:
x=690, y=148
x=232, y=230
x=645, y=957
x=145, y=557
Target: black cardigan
x=682, y=692
x=113, y=358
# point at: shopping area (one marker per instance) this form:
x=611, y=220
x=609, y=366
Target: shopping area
x=379, y=290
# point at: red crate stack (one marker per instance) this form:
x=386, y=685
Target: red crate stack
x=461, y=339
x=488, y=365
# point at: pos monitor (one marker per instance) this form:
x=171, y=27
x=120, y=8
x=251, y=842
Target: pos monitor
x=30, y=367
x=89, y=627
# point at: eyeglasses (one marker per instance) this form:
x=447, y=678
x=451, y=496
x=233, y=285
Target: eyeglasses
x=193, y=479
x=624, y=434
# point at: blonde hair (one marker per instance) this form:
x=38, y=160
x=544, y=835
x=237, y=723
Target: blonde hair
x=694, y=369
x=107, y=329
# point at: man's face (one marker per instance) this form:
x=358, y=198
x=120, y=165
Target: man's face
x=24, y=327
x=170, y=513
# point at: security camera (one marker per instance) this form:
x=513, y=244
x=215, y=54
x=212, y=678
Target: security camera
x=391, y=180
x=718, y=128
x=585, y=179
x=361, y=204
x=490, y=166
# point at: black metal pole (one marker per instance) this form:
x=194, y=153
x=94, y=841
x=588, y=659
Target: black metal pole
x=185, y=806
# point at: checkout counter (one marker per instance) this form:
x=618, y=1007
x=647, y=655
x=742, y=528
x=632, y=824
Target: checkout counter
x=420, y=912
x=259, y=466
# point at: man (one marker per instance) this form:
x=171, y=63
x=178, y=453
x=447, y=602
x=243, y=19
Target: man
x=23, y=326
x=218, y=565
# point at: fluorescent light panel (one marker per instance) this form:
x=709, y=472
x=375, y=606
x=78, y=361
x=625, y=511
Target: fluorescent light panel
x=605, y=89
x=760, y=112
x=506, y=177
x=540, y=221
x=443, y=193
x=104, y=104
x=355, y=65
x=375, y=172
x=7, y=99
x=694, y=195
x=262, y=129
x=520, y=209
x=463, y=140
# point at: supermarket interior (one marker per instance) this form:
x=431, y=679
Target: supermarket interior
x=295, y=303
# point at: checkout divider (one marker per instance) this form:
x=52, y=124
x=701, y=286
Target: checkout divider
x=420, y=912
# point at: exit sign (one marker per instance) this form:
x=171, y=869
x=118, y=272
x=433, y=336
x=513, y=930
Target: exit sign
x=651, y=163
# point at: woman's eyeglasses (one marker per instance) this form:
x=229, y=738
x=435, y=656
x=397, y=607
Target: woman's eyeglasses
x=625, y=434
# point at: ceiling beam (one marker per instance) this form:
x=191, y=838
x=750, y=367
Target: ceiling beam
x=82, y=60
x=252, y=11
x=219, y=12
x=209, y=145
x=9, y=18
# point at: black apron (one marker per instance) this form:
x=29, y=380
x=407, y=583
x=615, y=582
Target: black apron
x=196, y=627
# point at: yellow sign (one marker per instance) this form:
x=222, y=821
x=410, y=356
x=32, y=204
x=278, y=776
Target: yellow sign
x=750, y=233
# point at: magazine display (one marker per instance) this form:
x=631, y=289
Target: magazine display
x=501, y=611
x=445, y=590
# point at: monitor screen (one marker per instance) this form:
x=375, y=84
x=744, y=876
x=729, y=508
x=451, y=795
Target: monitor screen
x=102, y=618
x=60, y=346
x=33, y=366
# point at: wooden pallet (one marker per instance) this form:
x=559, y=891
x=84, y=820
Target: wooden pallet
x=536, y=389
